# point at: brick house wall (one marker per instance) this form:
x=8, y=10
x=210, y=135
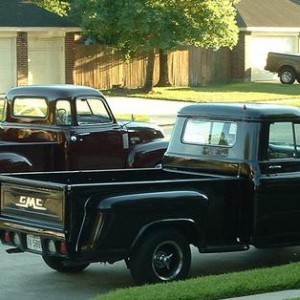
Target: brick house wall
x=69, y=57
x=238, y=71
x=22, y=58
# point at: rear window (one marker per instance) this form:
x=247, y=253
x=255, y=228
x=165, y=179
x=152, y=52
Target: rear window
x=209, y=132
x=30, y=107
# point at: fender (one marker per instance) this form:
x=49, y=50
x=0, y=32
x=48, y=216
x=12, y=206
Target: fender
x=287, y=64
x=190, y=224
x=12, y=162
x=193, y=198
x=184, y=210
x=147, y=155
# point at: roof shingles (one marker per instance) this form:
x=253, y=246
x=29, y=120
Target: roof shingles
x=269, y=13
x=22, y=13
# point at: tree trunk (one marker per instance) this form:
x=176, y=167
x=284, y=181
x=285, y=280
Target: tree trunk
x=148, y=86
x=163, y=69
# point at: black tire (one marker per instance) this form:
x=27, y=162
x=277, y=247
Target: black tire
x=162, y=257
x=63, y=265
x=287, y=76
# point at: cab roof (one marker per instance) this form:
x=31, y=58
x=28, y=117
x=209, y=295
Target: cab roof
x=53, y=92
x=242, y=111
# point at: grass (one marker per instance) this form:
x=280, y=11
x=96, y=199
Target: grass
x=216, y=286
x=235, y=92
x=128, y=117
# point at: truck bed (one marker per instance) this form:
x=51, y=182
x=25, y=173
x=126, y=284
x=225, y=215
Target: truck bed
x=105, y=177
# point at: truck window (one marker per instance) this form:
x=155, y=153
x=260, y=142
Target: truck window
x=281, y=140
x=91, y=111
x=63, y=112
x=30, y=107
x=207, y=132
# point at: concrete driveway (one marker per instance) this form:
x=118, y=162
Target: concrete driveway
x=160, y=111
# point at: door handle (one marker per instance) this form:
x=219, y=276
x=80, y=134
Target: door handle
x=73, y=138
x=275, y=167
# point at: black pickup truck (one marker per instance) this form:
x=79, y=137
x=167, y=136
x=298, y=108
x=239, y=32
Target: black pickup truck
x=230, y=179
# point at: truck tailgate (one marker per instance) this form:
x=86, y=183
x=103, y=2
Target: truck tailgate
x=32, y=202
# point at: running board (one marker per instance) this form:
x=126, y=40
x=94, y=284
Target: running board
x=14, y=250
x=224, y=248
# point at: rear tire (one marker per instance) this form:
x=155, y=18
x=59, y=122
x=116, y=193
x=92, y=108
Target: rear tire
x=63, y=265
x=163, y=256
x=287, y=76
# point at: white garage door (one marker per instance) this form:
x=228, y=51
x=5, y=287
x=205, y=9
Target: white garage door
x=259, y=48
x=46, y=61
x=7, y=63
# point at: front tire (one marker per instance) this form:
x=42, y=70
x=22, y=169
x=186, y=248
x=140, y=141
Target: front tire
x=163, y=256
x=287, y=76
x=63, y=265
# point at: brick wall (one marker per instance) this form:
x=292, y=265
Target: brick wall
x=69, y=57
x=22, y=58
x=238, y=71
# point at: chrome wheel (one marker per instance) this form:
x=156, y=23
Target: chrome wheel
x=167, y=260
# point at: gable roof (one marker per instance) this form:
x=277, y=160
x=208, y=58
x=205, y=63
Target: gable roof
x=268, y=14
x=22, y=13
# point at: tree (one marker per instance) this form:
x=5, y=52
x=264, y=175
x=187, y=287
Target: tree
x=59, y=7
x=129, y=26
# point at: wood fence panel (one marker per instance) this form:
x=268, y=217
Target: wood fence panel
x=97, y=67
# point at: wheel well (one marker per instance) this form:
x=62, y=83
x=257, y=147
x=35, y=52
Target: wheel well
x=186, y=227
x=286, y=67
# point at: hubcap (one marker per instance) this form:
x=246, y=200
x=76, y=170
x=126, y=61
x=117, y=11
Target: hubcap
x=286, y=76
x=167, y=260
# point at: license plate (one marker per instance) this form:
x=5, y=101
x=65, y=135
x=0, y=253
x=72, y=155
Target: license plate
x=34, y=243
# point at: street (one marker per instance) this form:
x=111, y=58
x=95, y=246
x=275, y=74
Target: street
x=25, y=276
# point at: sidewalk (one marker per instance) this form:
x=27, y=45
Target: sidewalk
x=282, y=295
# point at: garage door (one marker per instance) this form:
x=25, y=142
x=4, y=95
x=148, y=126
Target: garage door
x=7, y=63
x=259, y=48
x=46, y=62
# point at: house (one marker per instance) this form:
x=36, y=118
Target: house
x=265, y=25
x=36, y=46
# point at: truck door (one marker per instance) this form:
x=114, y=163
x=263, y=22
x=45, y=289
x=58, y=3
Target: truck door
x=277, y=196
x=97, y=141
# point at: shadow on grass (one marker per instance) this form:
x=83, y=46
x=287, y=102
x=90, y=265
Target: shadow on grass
x=272, y=88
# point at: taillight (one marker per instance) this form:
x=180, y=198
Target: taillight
x=7, y=237
x=63, y=248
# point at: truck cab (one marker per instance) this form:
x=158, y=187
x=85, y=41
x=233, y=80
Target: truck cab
x=258, y=142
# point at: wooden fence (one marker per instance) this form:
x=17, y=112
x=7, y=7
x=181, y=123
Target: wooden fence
x=188, y=66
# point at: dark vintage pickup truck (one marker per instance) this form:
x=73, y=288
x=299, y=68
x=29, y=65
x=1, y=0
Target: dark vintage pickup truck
x=230, y=179
x=286, y=65
x=68, y=127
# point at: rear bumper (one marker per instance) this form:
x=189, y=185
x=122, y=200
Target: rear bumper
x=49, y=232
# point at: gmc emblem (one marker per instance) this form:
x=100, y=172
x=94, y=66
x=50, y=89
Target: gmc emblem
x=31, y=202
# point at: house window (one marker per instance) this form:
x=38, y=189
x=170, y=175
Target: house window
x=30, y=107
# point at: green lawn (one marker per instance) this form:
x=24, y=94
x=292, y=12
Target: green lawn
x=236, y=92
x=216, y=286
